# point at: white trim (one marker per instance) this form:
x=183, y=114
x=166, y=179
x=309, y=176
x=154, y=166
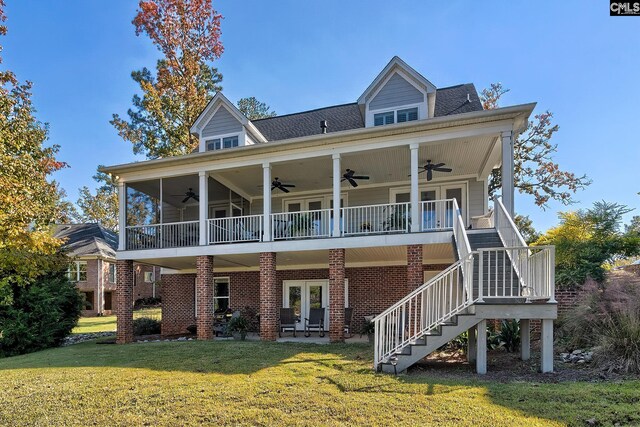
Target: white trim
x=370, y=116
x=242, y=138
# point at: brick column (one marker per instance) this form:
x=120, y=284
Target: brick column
x=204, y=296
x=336, y=295
x=268, y=297
x=415, y=277
x=124, y=302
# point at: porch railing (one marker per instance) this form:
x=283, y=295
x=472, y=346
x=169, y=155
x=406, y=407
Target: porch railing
x=437, y=215
x=235, y=229
x=375, y=219
x=158, y=236
x=301, y=225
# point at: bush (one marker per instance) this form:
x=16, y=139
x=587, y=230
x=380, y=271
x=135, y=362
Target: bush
x=619, y=343
x=509, y=335
x=41, y=315
x=146, y=326
x=239, y=325
x=145, y=302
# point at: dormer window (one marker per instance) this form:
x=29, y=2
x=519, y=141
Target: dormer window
x=407, y=115
x=220, y=143
x=383, y=118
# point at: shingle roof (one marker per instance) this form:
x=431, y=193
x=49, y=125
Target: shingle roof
x=449, y=100
x=88, y=239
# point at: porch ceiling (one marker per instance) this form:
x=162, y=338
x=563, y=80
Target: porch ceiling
x=392, y=165
x=441, y=253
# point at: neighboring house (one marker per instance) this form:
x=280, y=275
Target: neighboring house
x=93, y=267
x=380, y=205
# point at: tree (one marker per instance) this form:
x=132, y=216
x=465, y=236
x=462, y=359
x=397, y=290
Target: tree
x=525, y=226
x=187, y=33
x=28, y=200
x=587, y=241
x=535, y=172
x=103, y=206
x=634, y=226
x=254, y=109
x=66, y=211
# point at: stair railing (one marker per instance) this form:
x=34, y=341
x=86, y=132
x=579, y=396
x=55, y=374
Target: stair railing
x=423, y=310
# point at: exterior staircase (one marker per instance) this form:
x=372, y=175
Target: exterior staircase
x=486, y=272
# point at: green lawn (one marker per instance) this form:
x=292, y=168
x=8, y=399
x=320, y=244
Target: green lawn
x=108, y=323
x=253, y=383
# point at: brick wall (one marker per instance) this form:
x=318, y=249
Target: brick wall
x=124, y=304
x=415, y=276
x=204, y=291
x=336, y=294
x=178, y=305
x=269, y=302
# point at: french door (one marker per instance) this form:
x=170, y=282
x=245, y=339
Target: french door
x=303, y=295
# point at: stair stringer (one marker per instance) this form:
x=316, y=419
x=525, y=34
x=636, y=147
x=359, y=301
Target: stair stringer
x=428, y=343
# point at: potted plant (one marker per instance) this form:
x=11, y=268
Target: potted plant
x=368, y=329
x=365, y=227
x=397, y=220
x=238, y=327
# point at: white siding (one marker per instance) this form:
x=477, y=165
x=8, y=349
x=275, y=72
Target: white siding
x=221, y=123
x=476, y=197
x=396, y=92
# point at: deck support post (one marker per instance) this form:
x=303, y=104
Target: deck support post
x=268, y=297
x=336, y=295
x=203, y=194
x=547, y=346
x=124, y=302
x=525, y=339
x=204, y=296
x=481, y=354
x=335, y=231
x=471, y=344
x=415, y=193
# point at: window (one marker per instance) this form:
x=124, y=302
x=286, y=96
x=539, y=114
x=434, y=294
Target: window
x=383, y=118
x=112, y=273
x=227, y=142
x=407, y=115
x=77, y=271
x=220, y=295
x=148, y=276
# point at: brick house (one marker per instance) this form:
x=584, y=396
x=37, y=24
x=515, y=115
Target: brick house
x=380, y=205
x=93, y=267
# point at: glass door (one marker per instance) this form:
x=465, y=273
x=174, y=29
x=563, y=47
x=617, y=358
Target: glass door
x=293, y=299
x=458, y=193
x=303, y=295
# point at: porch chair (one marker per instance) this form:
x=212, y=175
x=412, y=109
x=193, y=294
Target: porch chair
x=348, y=314
x=314, y=321
x=287, y=320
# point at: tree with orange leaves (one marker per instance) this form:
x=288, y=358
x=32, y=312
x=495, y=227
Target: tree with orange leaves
x=187, y=33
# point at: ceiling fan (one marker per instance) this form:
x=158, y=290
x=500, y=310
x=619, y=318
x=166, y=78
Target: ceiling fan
x=349, y=176
x=189, y=195
x=279, y=185
x=429, y=168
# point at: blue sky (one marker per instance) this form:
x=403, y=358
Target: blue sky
x=569, y=56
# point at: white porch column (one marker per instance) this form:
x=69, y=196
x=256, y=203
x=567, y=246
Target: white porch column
x=481, y=356
x=507, y=172
x=122, y=216
x=266, y=202
x=471, y=344
x=547, y=346
x=336, y=195
x=415, y=194
x=525, y=339
x=204, y=204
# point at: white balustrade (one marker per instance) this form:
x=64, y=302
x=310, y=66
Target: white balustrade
x=437, y=215
x=246, y=228
x=376, y=219
x=301, y=225
x=158, y=236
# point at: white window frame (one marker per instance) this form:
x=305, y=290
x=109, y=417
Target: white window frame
x=77, y=271
x=441, y=188
x=385, y=115
x=371, y=114
x=115, y=273
x=406, y=111
x=150, y=275
x=215, y=279
x=239, y=135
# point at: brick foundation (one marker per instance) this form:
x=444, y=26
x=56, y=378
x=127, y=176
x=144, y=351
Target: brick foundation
x=204, y=292
x=269, y=303
x=178, y=305
x=415, y=275
x=124, y=302
x=336, y=295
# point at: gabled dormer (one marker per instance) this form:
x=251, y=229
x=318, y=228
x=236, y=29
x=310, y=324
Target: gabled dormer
x=398, y=94
x=222, y=126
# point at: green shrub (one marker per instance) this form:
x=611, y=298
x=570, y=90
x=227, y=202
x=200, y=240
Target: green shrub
x=41, y=315
x=146, y=326
x=509, y=335
x=239, y=325
x=149, y=301
x=619, y=342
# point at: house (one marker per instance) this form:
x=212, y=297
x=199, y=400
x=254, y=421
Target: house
x=380, y=205
x=92, y=249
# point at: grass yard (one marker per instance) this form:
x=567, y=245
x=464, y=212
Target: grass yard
x=108, y=323
x=253, y=383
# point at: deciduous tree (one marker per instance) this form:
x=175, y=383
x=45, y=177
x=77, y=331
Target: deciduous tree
x=187, y=33
x=101, y=207
x=535, y=171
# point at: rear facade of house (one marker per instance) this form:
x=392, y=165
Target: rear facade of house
x=380, y=205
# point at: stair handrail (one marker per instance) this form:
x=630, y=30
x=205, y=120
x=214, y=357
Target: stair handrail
x=501, y=215
x=460, y=233
x=415, y=314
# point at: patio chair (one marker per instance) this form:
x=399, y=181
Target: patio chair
x=348, y=314
x=287, y=321
x=314, y=321
x=221, y=320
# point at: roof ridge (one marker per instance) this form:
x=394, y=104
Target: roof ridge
x=306, y=111
x=454, y=86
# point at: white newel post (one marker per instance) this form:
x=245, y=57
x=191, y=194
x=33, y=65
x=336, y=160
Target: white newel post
x=204, y=203
x=507, y=172
x=335, y=232
x=266, y=206
x=415, y=194
x=122, y=216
